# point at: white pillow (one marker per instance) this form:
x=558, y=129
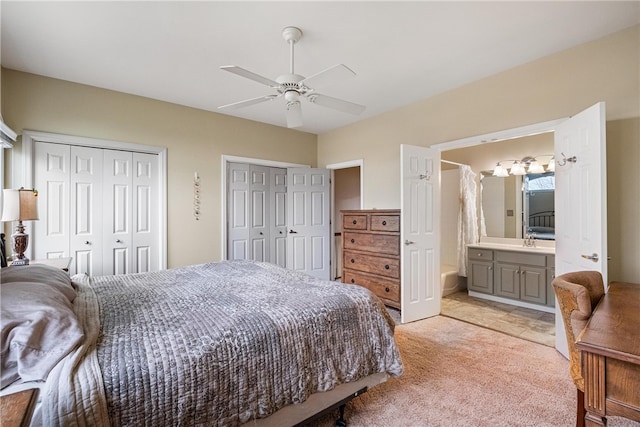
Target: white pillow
x=39, y=328
x=39, y=273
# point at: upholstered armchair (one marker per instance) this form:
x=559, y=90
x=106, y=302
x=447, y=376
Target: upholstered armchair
x=578, y=294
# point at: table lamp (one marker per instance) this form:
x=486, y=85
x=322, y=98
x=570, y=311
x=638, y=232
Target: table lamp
x=19, y=205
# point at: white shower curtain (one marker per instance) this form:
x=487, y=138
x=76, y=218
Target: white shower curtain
x=467, y=216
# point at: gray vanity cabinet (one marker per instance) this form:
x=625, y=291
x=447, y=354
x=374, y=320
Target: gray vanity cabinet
x=480, y=274
x=517, y=275
x=521, y=276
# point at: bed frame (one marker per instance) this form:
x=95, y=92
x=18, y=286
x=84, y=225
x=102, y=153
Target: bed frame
x=543, y=219
x=319, y=404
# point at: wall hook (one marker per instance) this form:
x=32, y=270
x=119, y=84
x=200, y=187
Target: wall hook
x=565, y=159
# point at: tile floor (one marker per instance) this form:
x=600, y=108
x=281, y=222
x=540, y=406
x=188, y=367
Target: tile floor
x=532, y=325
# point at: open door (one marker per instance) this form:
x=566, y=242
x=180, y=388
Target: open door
x=581, y=199
x=420, y=232
x=308, y=239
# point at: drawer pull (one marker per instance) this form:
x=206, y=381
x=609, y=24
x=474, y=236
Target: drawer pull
x=353, y=240
x=353, y=280
x=384, y=222
x=479, y=253
x=386, y=267
x=352, y=260
x=386, y=289
x=355, y=222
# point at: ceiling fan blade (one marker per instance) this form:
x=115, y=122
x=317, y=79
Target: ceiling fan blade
x=250, y=75
x=248, y=102
x=336, y=104
x=330, y=75
x=294, y=114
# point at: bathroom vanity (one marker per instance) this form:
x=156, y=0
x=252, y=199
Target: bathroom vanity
x=512, y=274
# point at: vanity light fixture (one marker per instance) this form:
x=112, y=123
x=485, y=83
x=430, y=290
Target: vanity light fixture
x=524, y=166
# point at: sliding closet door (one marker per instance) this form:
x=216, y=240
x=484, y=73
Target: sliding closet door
x=238, y=212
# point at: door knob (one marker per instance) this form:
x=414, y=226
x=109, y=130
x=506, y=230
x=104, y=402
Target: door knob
x=118, y=241
x=593, y=257
x=408, y=242
x=87, y=242
x=293, y=232
x=261, y=233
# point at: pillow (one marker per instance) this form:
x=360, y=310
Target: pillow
x=39, y=273
x=39, y=328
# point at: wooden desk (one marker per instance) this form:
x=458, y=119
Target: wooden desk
x=610, y=345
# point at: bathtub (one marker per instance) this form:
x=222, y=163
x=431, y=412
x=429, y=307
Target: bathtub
x=448, y=279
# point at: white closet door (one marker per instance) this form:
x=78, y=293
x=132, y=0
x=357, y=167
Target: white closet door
x=117, y=214
x=86, y=210
x=259, y=208
x=278, y=217
x=145, y=246
x=238, y=200
x=50, y=235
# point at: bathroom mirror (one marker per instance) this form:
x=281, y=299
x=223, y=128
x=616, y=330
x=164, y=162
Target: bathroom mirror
x=518, y=204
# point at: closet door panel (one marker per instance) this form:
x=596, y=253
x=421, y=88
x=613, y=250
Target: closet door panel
x=259, y=213
x=145, y=249
x=238, y=212
x=50, y=235
x=278, y=216
x=117, y=218
x=86, y=209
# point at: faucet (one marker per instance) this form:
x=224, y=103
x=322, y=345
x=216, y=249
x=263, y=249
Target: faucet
x=529, y=240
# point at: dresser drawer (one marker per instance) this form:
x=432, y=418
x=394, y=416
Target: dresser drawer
x=378, y=243
x=388, y=289
x=389, y=267
x=480, y=254
x=385, y=223
x=354, y=222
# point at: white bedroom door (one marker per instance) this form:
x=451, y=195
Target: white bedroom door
x=420, y=232
x=308, y=216
x=581, y=198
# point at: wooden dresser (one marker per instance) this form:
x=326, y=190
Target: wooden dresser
x=371, y=252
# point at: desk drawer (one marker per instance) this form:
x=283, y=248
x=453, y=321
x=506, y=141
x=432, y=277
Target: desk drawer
x=378, y=243
x=384, y=266
x=354, y=222
x=388, y=289
x=385, y=223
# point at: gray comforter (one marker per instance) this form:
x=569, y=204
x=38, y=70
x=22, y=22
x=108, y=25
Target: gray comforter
x=216, y=344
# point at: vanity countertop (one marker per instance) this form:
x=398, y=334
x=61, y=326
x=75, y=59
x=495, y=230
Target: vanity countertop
x=514, y=247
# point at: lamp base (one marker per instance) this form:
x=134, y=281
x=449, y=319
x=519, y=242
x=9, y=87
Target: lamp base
x=20, y=261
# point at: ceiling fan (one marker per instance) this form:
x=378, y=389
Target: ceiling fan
x=294, y=86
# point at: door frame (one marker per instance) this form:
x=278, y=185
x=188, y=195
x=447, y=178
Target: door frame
x=225, y=160
x=333, y=167
x=30, y=137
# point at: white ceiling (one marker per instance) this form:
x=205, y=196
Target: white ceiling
x=401, y=51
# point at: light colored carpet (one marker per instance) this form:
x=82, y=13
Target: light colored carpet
x=458, y=374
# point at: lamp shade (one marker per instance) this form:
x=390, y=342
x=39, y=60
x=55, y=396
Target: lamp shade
x=517, y=169
x=19, y=205
x=535, y=167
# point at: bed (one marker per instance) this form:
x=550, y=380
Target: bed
x=227, y=343
x=542, y=225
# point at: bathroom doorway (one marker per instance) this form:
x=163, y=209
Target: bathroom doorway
x=346, y=186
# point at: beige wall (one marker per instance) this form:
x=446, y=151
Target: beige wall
x=195, y=140
x=557, y=86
